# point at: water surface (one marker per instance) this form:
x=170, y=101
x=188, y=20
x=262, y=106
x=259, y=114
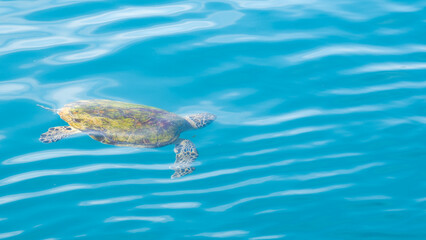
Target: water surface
x=320, y=130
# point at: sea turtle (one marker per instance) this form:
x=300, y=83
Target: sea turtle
x=127, y=124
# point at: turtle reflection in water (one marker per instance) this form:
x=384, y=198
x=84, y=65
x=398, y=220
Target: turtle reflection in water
x=134, y=125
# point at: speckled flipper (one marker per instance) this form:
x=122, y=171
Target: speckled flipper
x=57, y=133
x=200, y=120
x=186, y=153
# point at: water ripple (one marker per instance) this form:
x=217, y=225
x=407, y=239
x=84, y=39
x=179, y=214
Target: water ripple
x=156, y=219
x=261, y=180
x=318, y=112
x=10, y=234
x=222, y=188
x=368, y=198
x=225, y=207
x=268, y=237
x=177, y=205
x=61, y=189
x=51, y=154
x=279, y=37
x=6, y=29
x=129, y=13
x=389, y=66
x=79, y=170
x=138, y=230
x=316, y=175
x=346, y=10
x=352, y=49
x=262, y=166
x=378, y=88
x=54, y=94
x=227, y=234
x=109, y=200
x=73, y=187
x=81, y=31
x=287, y=133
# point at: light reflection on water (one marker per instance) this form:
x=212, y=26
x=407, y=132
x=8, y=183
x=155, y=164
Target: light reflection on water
x=319, y=132
x=53, y=154
x=56, y=94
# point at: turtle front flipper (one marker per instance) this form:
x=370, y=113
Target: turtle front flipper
x=57, y=133
x=186, y=153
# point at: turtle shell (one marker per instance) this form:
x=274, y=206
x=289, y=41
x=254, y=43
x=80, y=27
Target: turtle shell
x=124, y=124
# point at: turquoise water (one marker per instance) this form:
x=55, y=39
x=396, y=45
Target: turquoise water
x=320, y=130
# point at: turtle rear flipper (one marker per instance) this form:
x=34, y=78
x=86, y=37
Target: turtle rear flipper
x=186, y=153
x=57, y=133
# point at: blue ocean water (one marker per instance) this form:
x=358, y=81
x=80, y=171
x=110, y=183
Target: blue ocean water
x=320, y=130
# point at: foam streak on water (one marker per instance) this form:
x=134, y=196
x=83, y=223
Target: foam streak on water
x=320, y=130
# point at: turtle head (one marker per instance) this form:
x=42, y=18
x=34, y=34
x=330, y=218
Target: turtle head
x=200, y=120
